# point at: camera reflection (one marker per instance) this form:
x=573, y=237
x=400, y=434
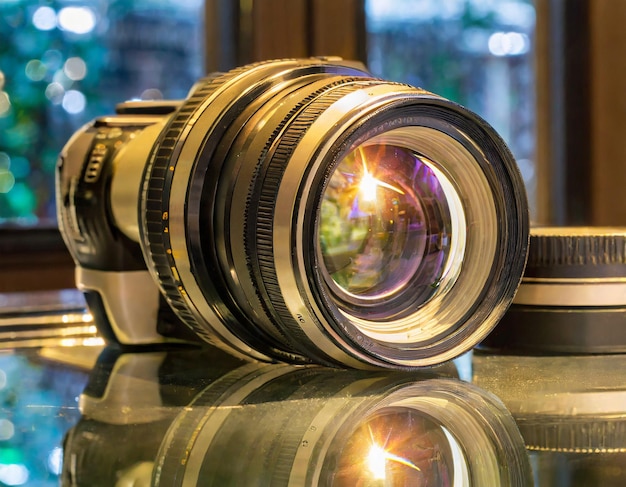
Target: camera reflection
x=202, y=417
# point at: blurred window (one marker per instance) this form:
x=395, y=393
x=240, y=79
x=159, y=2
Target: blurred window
x=478, y=53
x=64, y=62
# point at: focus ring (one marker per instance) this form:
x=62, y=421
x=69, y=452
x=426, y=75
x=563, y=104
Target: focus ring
x=262, y=241
x=157, y=184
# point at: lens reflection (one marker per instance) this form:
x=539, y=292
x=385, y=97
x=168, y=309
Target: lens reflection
x=396, y=446
x=384, y=223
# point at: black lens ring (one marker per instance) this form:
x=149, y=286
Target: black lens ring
x=287, y=346
x=448, y=117
x=200, y=205
x=262, y=201
x=154, y=216
x=207, y=275
x=153, y=210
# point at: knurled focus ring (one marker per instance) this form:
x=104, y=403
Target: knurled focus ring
x=577, y=252
x=261, y=210
x=156, y=195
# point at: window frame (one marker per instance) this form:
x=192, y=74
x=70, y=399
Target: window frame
x=579, y=136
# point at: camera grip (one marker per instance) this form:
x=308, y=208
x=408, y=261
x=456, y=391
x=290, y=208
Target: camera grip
x=125, y=304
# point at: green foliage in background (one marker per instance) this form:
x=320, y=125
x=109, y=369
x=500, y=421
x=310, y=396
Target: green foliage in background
x=126, y=46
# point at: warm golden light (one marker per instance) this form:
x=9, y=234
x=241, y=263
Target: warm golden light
x=368, y=187
x=377, y=461
x=369, y=184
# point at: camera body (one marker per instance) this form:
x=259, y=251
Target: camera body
x=121, y=294
x=297, y=210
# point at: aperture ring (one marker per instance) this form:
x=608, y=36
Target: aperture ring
x=154, y=212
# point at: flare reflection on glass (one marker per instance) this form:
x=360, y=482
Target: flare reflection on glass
x=400, y=445
x=378, y=457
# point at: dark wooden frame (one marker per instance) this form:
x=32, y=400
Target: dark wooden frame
x=581, y=112
x=246, y=31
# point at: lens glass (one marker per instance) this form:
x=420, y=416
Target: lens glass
x=384, y=224
x=398, y=446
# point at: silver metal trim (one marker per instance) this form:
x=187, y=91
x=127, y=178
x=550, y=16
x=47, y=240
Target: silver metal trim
x=131, y=301
x=572, y=292
x=129, y=164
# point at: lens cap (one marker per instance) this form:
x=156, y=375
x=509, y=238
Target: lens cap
x=573, y=294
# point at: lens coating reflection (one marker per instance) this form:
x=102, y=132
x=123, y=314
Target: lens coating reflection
x=384, y=223
x=396, y=446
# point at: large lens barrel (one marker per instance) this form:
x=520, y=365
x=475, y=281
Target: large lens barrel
x=303, y=210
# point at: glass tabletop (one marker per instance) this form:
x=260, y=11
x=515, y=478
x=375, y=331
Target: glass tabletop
x=76, y=412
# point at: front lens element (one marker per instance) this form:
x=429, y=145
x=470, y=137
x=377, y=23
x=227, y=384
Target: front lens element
x=384, y=224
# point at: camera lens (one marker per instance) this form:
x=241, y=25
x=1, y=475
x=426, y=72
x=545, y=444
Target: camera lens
x=302, y=210
x=384, y=225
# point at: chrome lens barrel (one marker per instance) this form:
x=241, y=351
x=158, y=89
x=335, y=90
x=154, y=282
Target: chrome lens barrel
x=303, y=210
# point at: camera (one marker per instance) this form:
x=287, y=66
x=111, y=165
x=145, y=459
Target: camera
x=296, y=210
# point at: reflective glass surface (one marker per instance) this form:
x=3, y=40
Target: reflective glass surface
x=74, y=412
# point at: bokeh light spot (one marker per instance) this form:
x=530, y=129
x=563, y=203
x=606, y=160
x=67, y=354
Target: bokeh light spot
x=5, y=104
x=152, y=94
x=13, y=474
x=55, y=460
x=75, y=68
x=74, y=102
x=53, y=59
x=7, y=429
x=508, y=43
x=45, y=18
x=35, y=70
x=7, y=180
x=55, y=92
x=78, y=20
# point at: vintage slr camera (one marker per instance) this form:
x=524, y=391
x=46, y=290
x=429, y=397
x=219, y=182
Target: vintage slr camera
x=297, y=210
